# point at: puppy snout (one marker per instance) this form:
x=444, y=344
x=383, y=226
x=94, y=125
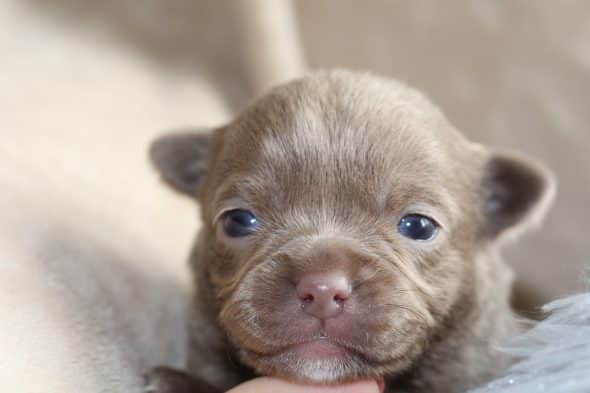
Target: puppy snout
x=323, y=295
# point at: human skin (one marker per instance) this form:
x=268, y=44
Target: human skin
x=274, y=385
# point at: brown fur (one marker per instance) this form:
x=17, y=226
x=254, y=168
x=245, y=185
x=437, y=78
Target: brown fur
x=329, y=164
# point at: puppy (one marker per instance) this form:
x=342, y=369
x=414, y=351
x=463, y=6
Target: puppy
x=349, y=231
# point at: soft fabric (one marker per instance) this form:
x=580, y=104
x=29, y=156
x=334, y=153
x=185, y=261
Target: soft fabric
x=554, y=355
x=92, y=244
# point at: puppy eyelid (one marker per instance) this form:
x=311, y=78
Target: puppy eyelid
x=228, y=207
x=222, y=212
x=428, y=211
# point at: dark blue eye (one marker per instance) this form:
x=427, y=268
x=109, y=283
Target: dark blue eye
x=239, y=223
x=417, y=227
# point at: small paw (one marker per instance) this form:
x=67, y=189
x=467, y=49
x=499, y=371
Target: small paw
x=168, y=380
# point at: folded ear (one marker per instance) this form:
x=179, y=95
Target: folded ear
x=517, y=192
x=181, y=159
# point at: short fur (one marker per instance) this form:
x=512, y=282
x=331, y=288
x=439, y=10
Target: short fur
x=329, y=164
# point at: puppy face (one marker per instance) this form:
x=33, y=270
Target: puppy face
x=342, y=217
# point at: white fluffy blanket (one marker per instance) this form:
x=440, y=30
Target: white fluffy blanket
x=554, y=354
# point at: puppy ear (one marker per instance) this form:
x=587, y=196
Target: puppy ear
x=181, y=159
x=517, y=194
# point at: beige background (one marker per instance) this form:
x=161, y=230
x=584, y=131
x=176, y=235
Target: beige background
x=86, y=227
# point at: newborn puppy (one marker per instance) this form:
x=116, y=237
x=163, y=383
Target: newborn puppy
x=349, y=232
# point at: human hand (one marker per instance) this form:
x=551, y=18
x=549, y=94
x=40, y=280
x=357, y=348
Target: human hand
x=273, y=385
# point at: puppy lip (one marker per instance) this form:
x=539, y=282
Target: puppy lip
x=322, y=344
x=319, y=348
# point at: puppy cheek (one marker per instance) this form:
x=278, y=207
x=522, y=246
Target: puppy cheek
x=404, y=302
x=225, y=268
x=450, y=280
x=437, y=278
x=255, y=313
x=408, y=327
x=237, y=318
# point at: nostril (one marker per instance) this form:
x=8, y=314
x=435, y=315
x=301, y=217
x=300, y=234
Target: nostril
x=307, y=298
x=340, y=298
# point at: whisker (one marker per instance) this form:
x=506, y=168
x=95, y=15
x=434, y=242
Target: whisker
x=420, y=316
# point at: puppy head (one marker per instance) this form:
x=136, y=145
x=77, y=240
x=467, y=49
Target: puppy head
x=342, y=216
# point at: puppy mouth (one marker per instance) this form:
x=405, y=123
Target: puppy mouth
x=318, y=360
x=317, y=349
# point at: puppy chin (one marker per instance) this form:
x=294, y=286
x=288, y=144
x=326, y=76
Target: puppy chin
x=314, y=362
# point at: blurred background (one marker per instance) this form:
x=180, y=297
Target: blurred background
x=86, y=85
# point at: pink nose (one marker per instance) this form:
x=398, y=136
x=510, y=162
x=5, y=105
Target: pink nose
x=323, y=295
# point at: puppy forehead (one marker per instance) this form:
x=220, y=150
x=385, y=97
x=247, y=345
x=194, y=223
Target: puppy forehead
x=333, y=143
x=326, y=136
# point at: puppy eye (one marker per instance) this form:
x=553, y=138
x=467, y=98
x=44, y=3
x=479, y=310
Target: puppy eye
x=417, y=227
x=238, y=223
